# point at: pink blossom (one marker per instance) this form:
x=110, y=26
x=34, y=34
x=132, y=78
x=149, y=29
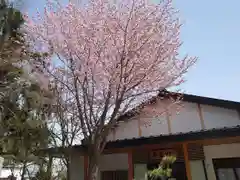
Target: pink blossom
x=123, y=50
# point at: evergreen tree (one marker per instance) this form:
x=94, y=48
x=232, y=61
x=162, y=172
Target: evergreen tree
x=23, y=104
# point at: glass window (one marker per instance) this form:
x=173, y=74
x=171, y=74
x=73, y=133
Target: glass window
x=226, y=174
x=238, y=172
x=227, y=168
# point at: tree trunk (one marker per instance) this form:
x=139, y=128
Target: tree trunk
x=93, y=171
x=68, y=169
x=49, y=168
x=23, y=170
x=93, y=164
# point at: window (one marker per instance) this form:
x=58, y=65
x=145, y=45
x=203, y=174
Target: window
x=227, y=169
x=226, y=173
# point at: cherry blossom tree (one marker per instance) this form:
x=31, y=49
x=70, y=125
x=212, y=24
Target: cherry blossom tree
x=107, y=57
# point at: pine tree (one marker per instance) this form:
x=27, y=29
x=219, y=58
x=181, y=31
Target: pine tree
x=23, y=112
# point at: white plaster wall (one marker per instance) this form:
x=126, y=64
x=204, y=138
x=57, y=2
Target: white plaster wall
x=216, y=117
x=219, y=151
x=197, y=170
x=110, y=162
x=187, y=119
x=77, y=166
x=110, y=137
x=127, y=130
x=157, y=126
x=140, y=172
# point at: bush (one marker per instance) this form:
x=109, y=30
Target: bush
x=164, y=169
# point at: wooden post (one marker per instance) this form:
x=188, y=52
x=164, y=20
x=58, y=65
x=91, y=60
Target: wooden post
x=187, y=163
x=168, y=122
x=139, y=128
x=114, y=134
x=130, y=166
x=201, y=116
x=85, y=167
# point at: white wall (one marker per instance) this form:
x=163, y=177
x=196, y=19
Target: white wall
x=197, y=170
x=77, y=167
x=108, y=162
x=219, y=151
x=127, y=130
x=188, y=119
x=216, y=117
x=111, y=162
x=111, y=137
x=140, y=172
x=156, y=127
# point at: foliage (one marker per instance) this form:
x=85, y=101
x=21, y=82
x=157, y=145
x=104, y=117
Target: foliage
x=41, y=175
x=23, y=104
x=10, y=40
x=106, y=57
x=10, y=20
x=45, y=171
x=164, y=169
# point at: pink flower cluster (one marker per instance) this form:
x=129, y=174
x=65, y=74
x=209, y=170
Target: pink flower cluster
x=110, y=50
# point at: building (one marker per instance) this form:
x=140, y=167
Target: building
x=204, y=136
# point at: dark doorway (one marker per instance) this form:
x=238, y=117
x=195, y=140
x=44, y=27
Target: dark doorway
x=178, y=170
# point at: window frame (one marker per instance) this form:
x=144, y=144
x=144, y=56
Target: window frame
x=226, y=163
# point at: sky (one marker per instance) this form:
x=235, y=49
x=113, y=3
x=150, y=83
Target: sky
x=211, y=31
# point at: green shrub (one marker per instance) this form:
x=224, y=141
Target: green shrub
x=164, y=169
